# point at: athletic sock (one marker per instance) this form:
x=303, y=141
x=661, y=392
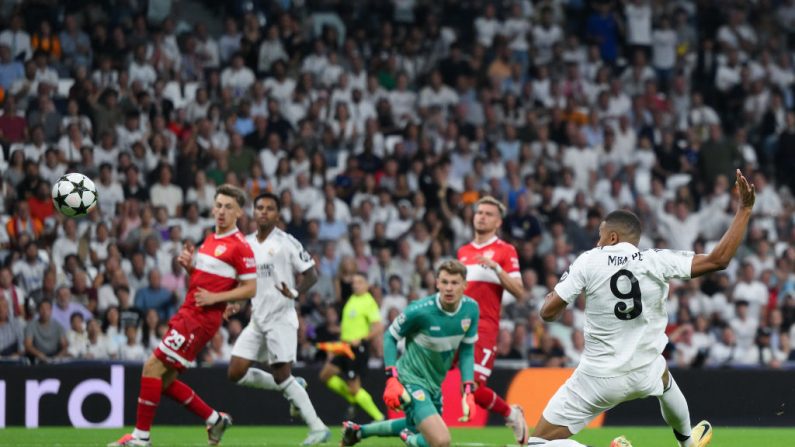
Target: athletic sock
x=541, y=442
x=148, y=401
x=417, y=440
x=673, y=406
x=391, y=427
x=339, y=386
x=365, y=401
x=257, y=378
x=486, y=398
x=183, y=394
x=298, y=396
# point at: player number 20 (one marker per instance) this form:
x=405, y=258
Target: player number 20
x=174, y=340
x=621, y=310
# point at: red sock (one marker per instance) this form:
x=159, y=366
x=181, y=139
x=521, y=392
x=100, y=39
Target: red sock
x=488, y=399
x=185, y=395
x=148, y=400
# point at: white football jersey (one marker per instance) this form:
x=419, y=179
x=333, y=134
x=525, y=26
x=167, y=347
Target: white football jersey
x=279, y=257
x=625, y=313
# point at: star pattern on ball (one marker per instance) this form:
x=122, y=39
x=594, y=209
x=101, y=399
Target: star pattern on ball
x=80, y=210
x=61, y=200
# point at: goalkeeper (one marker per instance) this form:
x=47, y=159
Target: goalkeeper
x=435, y=328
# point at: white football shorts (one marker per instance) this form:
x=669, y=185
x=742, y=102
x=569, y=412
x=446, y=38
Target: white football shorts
x=277, y=344
x=584, y=397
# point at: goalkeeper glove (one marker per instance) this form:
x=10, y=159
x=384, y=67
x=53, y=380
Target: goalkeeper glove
x=468, y=408
x=395, y=395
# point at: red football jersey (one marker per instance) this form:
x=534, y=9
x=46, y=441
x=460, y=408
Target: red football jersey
x=222, y=261
x=483, y=284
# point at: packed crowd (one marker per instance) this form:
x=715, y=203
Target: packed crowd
x=379, y=124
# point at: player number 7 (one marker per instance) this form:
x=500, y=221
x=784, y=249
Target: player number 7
x=486, y=355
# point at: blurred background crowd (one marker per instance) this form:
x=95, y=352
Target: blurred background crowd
x=379, y=123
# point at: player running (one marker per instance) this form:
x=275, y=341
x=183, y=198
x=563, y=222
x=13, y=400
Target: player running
x=359, y=326
x=435, y=328
x=625, y=318
x=224, y=270
x=272, y=334
x=492, y=267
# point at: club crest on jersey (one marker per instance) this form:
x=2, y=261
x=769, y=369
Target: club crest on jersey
x=419, y=395
x=219, y=250
x=488, y=254
x=465, y=323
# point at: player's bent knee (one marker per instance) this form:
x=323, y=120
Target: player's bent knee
x=281, y=372
x=154, y=367
x=237, y=369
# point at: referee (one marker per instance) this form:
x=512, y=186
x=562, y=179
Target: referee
x=359, y=326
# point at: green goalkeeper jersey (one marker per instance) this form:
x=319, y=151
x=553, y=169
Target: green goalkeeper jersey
x=433, y=336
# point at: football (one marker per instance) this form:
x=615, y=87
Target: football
x=74, y=195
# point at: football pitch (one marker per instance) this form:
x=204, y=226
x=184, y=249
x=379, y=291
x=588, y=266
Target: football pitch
x=292, y=436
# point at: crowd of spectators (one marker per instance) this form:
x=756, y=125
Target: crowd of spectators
x=379, y=124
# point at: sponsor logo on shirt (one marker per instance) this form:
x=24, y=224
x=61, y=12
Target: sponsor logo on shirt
x=419, y=395
x=219, y=250
x=250, y=262
x=465, y=323
x=488, y=254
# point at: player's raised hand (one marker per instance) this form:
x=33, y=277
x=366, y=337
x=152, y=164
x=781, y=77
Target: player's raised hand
x=185, y=258
x=287, y=291
x=490, y=263
x=746, y=191
x=468, y=407
x=205, y=298
x=231, y=309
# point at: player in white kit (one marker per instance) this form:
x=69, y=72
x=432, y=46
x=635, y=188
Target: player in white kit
x=272, y=334
x=625, y=319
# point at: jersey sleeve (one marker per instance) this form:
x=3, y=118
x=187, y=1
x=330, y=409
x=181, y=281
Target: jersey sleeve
x=405, y=323
x=471, y=335
x=573, y=281
x=300, y=259
x=510, y=261
x=373, y=312
x=244, y=263
x=672, y=264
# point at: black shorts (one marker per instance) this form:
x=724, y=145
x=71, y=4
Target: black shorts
x=353, y=368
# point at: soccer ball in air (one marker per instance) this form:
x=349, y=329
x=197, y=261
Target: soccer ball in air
x=74, y=195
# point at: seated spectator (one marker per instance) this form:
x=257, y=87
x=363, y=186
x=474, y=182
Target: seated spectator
x=11, y=339
x=100, y=347
x=65, y=307
x=77, y=336
x=548, y=353
x=45, y=339
x=132, y=350
x=505, y=348
x=156, y=297
x=395, y=298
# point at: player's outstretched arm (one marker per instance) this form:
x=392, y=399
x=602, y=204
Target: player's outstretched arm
x=723, y=253
x=553, y=307
x=244, y=291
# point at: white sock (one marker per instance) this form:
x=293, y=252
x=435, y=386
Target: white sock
x=213, y=419
x=674, y=410
x=257, y=378
x=538, y=442
x=296, y=394
x=564, y=443
x=140, y=434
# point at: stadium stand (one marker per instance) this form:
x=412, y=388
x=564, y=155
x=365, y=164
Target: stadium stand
x=379, y=123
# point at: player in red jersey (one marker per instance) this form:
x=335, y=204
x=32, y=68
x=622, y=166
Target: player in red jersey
x=224, y=271
x=492, y=267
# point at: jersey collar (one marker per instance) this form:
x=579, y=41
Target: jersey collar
x=488, y=242
x=228, y=233
x=439, y=305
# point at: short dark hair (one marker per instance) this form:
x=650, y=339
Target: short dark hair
x=232, y=191
x=269, y=196
x=625, y=222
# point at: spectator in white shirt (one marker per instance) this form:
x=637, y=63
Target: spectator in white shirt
x=100, y=347
x=545, y=36
x=77, y=338
x=271, y=50
x=140, y=69
x=487, y=26
x=167, y=194
x=752, y=291
x=238, y=77
x=664, y=42
x=17, y=39
x=638, y=14
x=132, y=350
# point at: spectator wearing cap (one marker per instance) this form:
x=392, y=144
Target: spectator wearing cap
x=45, y=339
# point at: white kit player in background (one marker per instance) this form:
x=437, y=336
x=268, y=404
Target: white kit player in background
x=272, y=334
x=625, y=319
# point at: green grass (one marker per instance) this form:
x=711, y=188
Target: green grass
x=292, y=436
